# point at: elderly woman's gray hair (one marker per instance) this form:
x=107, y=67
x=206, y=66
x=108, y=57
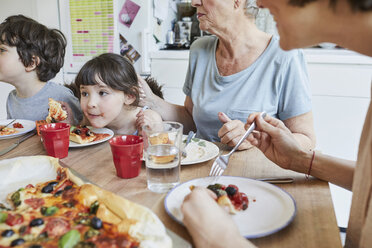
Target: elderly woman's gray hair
x=251, y=8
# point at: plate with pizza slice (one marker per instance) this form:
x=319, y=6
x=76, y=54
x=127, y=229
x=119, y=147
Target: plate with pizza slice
x=81, y=136
x=258, y=208
x=17, y=128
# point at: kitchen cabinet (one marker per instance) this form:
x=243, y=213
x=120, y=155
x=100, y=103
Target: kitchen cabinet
x=340, y=87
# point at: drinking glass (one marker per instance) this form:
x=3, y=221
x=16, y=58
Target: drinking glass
x=162, y=143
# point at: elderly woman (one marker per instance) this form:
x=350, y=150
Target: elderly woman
x=239, y=70
x=299, y=26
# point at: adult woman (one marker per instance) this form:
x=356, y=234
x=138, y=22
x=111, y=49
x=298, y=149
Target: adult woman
x=241, y=66
x=298, y=25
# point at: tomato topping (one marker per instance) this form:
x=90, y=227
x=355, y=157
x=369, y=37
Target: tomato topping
x=14, y=219
x=30, y=186
x=56, y=226
x=63, y=186
x=17, y=125
x=35, y=203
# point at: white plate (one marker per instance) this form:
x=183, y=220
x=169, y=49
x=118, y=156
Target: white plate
x=95, y=130
x=272, y=210
x=27, y=127
x=198, y=151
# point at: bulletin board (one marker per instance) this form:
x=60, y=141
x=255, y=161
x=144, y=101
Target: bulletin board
x=90, y=27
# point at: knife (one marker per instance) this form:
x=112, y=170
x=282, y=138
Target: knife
x=14, y=145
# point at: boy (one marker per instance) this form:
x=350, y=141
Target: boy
x=31, y=55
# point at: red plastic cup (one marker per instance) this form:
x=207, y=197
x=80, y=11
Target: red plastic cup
x=55, y=137
x=127, y=151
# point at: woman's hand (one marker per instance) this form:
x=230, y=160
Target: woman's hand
x=208, y=224
x=276, y=141
x=146, y=95
x=231, y=132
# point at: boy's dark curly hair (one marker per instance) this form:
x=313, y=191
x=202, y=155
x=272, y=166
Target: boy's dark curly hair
x=35, y=43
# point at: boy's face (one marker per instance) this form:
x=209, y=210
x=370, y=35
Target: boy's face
x=101, y=104
x=12, y=69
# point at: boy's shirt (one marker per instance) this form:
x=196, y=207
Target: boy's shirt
x=36, y=107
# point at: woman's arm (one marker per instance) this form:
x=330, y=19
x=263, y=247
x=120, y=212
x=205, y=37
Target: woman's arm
x=302, y=127
x=280, y=145
x=168, y=111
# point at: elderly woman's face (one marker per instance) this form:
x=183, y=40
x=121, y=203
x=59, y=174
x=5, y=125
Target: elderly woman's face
x=213, y=14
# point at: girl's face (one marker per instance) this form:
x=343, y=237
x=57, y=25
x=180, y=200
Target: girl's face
x=297, y=26
x=101, y=104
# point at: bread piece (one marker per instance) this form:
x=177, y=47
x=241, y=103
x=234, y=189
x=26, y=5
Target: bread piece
x=56, y=112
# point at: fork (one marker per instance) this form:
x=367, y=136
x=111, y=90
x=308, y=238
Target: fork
x=221, y=162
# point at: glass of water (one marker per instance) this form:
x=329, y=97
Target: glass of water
x=162, y=142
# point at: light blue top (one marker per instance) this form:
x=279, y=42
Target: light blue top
x=277, y=82
x=36, y=107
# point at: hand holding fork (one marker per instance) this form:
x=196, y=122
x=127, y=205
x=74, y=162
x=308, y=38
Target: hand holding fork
x=220, y=164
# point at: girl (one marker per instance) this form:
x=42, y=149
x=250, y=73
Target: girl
x=108, y=89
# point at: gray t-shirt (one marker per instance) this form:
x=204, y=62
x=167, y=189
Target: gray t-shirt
x=277, y=82
x=36, y=107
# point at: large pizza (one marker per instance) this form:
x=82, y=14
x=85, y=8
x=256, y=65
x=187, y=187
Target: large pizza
x=65, y=212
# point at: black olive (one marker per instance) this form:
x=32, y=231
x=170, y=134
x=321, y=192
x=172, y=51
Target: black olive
x=35, y=246
x=58, y=193
x=96, y=223
x=43, y=235
x=84, y=126
x=54, y=183
x=7, y=233
x=68, y=204
x=17, y=242
x=230, y=191
x=82, y=244
x=68, y=187
x=47, y=189
x=88, y=133
x=54, y=120
x=22, y=229
x=77, y=131
x=36, y=222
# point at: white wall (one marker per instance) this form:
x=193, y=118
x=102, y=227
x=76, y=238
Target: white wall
x=45, y=12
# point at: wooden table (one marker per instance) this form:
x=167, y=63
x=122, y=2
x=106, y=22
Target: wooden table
x=314, y=225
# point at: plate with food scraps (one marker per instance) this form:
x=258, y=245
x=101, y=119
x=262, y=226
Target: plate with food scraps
x=17, y=128
x=269, y=210
x=98, y=131
x=198, y=151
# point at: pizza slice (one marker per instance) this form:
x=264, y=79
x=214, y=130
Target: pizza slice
x=83, y=135
x=56, y=112
x=7, y=130
x=229, y=197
